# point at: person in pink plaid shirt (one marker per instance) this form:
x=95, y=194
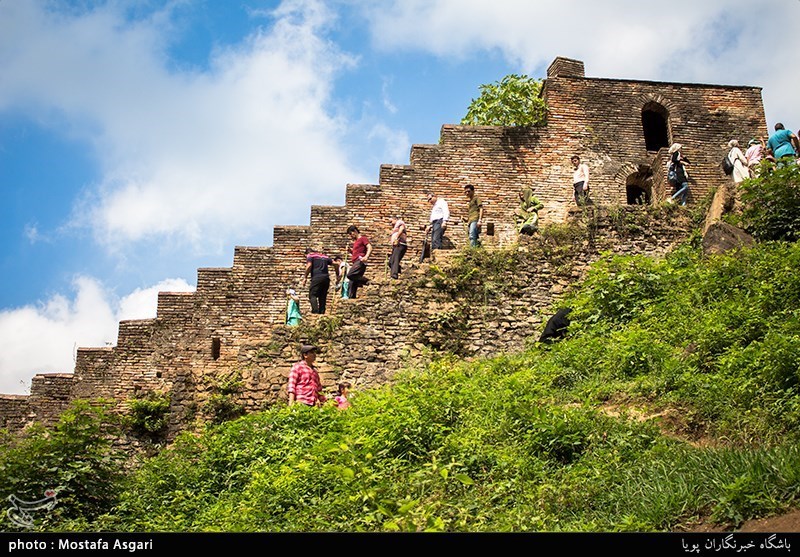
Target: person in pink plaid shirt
x=304, y=382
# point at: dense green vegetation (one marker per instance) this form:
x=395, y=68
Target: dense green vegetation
x=149, y=413
x=513, y=101
x=75, y=459
x=772, y=203
x=674, y=399
x=550, y=439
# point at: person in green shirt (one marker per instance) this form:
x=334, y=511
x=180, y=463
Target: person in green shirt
x=474, y=215
x=527, y=214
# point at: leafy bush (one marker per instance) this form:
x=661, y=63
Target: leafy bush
x=75, y=458
x=617, y=289
x=149, y=414
x=513, y=101
x=772, y=203
x=224, y=407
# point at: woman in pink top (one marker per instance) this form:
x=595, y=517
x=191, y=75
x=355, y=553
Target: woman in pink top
x=341, y=398
x=754, y=153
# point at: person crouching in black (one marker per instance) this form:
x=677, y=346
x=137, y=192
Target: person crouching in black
x=556, y=327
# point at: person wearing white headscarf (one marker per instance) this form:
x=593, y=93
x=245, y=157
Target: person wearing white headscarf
x=677, y=165
x=293, y=316
x=740, y=169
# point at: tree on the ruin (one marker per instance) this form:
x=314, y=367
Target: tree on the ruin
x=513, y=101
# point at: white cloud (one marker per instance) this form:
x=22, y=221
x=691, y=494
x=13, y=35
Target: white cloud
x=31, y=232
x=719, y=41
x=44, y=338
x=387, y=101
x=186, y=154
x=397, y=143
x=142, y=303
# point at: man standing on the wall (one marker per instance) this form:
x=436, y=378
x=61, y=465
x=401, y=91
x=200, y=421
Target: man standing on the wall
x=440, y=214
x=304, y=382
x=474, y=215
x=359, y=255
x=317, y=267
x=783, y=143
x=580, y=181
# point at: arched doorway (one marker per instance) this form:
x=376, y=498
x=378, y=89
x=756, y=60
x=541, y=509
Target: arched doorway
x=655, y=126
x=639, y=187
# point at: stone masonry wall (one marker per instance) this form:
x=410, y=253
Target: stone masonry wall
x=15, y=412
x=397, y=324
x=231, y=326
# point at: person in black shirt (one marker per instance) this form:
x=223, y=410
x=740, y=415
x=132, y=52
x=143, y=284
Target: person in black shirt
x=677, y=169
x=317, y=267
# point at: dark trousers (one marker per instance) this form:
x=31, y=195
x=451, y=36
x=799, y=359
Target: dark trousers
x=581, y=197
x=356, y=277
x=437, y=234
x=398, y=252
x=318, y=293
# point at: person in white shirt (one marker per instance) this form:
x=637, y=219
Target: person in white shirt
x=741, y=170
x=440, y=214
x=580, y=181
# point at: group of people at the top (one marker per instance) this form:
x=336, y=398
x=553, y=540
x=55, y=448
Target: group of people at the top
x=782, y=147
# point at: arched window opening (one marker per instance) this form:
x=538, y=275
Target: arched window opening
x=655, y=125
x=638, y=188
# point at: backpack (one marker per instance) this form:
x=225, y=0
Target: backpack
x=672, y=174
x=727, y=165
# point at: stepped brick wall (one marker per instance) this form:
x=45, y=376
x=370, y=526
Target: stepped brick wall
x=231, y=326
x=397, y=324
x=15, y=412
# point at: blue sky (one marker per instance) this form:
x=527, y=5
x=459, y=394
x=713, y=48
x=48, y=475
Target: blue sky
x=140, y=140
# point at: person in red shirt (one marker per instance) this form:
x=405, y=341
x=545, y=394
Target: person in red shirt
x=304, y=383
x=359, y=255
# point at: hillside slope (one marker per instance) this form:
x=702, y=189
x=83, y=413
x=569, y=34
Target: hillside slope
x=675, y=399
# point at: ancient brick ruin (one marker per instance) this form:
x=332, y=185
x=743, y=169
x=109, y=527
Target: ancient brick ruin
x=231, y=328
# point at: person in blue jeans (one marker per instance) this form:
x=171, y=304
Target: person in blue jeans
x=474, y=215
x=440, y=214
x=681, y=183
